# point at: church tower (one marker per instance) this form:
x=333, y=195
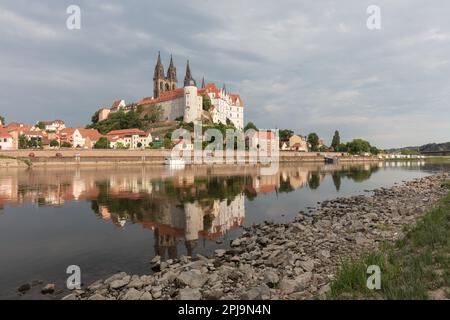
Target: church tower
x=161, y=82
x=188, y=80
x=172, y=75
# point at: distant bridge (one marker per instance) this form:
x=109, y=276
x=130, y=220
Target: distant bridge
x=436, y=153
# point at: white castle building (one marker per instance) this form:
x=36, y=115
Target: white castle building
x=187, y=102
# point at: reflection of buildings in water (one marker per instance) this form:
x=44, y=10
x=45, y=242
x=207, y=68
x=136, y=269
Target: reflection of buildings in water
x=131, y=184
x=265, y=183
x=183, y=181
x=297, y=178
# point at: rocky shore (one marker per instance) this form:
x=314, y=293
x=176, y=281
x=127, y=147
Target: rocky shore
x=296, y=260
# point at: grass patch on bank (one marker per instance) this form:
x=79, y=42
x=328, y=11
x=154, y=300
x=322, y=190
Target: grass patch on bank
x=26, y=161
x=438, y=159
x=411, y=268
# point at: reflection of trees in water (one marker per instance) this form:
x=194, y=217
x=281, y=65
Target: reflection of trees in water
x=134, y=210
x=213, y=188
x=360, y=174
x=250, y=195
x=314, y=180
x=285, y=186
x=357, y=174
x=337, y=180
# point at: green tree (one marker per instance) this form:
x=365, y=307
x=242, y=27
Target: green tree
x=23, y=142
x=2, y=120
x=168, y=143
x=40, y=125
x=54, y=143
x=118, y=121
x=358, y=146
x=102, y=143
x=120, y=145
x=152, y=114
x=66, y=145
x=95, y=117
x=206, y=102
x=285, y=134
x=34, y=143
x=313, y=140
x=374, y=150
x=249, y=126
x=342, y=148
x=336, y=141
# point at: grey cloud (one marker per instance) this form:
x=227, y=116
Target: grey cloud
x=309, y=66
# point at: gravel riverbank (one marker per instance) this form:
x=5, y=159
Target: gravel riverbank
x=296, y=260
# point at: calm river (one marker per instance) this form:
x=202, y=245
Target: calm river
x=109, y=220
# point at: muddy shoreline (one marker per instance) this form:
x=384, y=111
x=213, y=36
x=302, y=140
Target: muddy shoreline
x=295, y=260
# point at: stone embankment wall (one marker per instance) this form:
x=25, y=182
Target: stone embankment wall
x=121, y=157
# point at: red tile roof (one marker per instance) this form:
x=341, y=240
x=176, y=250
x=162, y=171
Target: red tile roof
x=5, y=134
x=93, y=134
x=178, y=93
x=236, y=100
x=126, y=132
x=116, y=104
x=165, y=96
x=49, y=122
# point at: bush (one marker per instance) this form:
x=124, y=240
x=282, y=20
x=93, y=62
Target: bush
x=54, y=143
x=102, y=143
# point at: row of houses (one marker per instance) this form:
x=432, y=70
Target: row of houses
x=54, y=134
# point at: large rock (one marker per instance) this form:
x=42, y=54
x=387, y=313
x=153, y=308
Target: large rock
x=271, y=278
x=303, y=281
x=220, y=252
x=307, y=265
x=117, y=276
x=287, y=286
x=192, y=278
x=135, y=283
x=97, y=297
x=261, y=292
x=24, y=288
x=48, y=289
x=132, y=294
x=71, y=296
x=146, y=296
x=236, y=243
x=117, y=284
x=189, y=294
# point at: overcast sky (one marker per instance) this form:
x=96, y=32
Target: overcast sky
x=304, y=65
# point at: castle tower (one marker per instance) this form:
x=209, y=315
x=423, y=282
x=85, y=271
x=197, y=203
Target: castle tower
x=162, y=83
x=193, y=102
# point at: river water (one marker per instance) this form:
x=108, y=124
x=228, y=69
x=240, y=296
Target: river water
x=118, y=219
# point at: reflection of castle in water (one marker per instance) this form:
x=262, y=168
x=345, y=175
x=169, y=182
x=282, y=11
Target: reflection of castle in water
x=189, y=206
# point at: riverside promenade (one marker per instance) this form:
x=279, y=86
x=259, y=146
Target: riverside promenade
x=71, y=157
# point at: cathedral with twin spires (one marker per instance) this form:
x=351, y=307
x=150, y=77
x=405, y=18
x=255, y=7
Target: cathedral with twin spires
x=187, y=102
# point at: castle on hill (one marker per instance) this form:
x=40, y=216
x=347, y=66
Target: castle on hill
x=186, y=102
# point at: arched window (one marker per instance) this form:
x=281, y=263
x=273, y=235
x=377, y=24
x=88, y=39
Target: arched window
x=161, y=86
x=167, y=87
x=173, y=86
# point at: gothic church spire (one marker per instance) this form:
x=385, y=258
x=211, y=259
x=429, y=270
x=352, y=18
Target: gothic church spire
x=188, y=80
